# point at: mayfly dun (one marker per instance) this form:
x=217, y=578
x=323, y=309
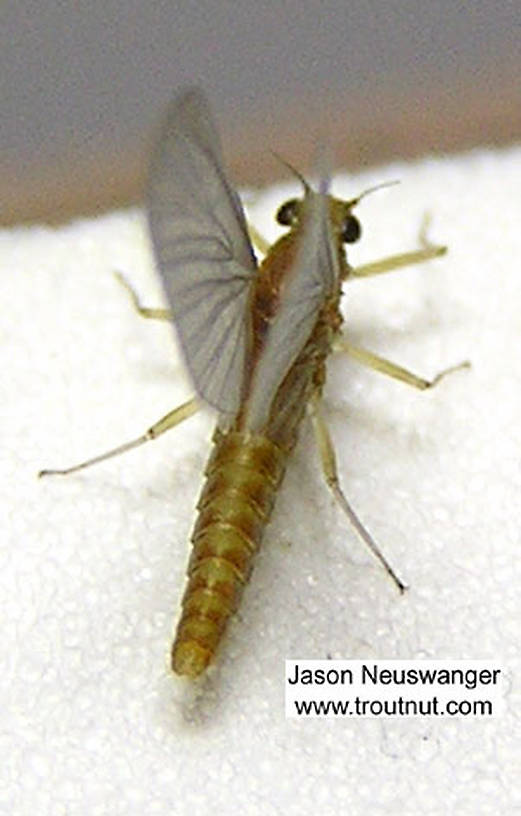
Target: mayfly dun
x=255, y=338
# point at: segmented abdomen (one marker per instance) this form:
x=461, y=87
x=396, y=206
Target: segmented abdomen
x=242, y=477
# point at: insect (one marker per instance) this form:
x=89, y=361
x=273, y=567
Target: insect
x=255, y=338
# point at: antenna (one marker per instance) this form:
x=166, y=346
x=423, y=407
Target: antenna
x=381, y=186
x=292, y=169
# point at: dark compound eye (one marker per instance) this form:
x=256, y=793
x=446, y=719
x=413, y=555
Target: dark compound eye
x=351, y=229
x=288, y=213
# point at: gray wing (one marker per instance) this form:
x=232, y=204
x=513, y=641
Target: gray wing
x=313, y=278
x=202, y=250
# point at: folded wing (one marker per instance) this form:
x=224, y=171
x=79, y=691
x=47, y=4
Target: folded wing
x=312, y=279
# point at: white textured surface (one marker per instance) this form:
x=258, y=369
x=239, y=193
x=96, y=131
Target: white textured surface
x=92, y=566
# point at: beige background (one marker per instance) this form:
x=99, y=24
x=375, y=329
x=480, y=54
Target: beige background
x=83, y=87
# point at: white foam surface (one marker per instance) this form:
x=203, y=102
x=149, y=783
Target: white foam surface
x=92, y=566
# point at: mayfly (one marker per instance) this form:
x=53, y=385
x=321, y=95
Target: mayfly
x=255, y=340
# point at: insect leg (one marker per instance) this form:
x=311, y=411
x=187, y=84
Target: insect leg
x=397, y=261
x=144, y=311
x=329, y=469
x=368, y=358
x=426, y=253
x=170, y=420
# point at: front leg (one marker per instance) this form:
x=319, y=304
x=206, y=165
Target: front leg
x=144, y=311
x=427, y=252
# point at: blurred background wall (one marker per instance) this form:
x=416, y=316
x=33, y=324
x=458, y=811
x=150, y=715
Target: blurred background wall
x=83, y=86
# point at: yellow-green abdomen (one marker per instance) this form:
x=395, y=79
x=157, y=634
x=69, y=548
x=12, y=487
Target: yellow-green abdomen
x=242, y=477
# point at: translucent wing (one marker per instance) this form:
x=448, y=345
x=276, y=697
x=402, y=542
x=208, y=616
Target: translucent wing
x=202, y=250
x=313, y=278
